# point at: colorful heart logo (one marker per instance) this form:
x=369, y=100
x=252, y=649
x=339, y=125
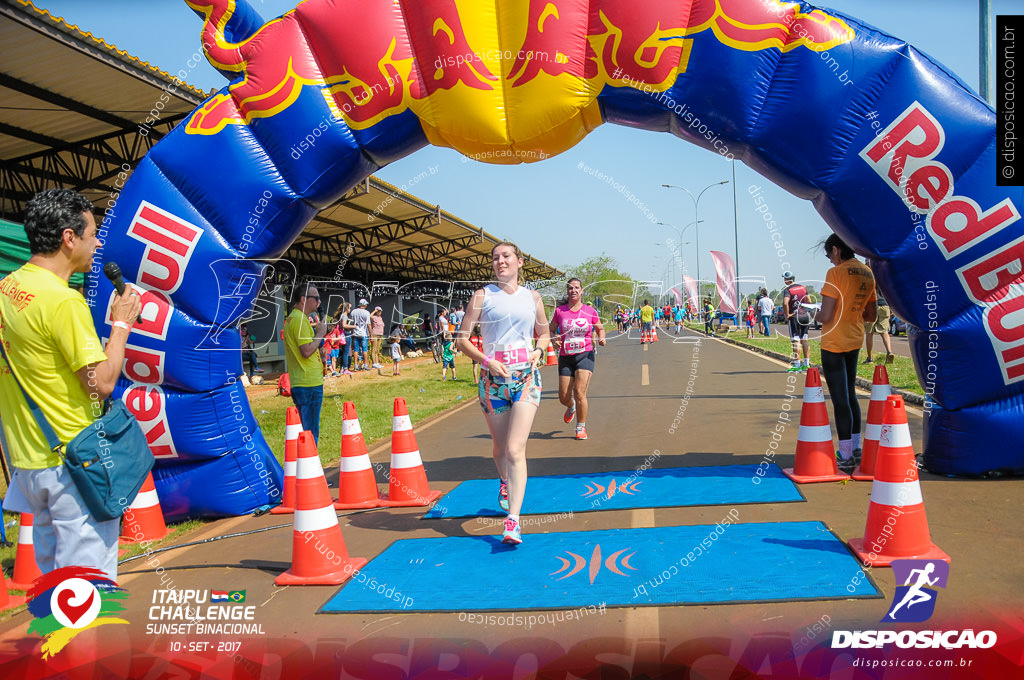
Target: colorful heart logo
x=73, y=612
x=75, y=603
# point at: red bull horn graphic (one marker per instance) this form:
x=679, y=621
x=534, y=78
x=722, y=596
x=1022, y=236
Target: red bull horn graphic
x=768, y=24
x=335, y=89
x=439, y=55
x=550, y=28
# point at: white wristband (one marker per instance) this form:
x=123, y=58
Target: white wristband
x=121, y=324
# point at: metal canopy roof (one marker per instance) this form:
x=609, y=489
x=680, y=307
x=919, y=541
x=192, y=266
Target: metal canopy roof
x=379, y=231
x=71, y=107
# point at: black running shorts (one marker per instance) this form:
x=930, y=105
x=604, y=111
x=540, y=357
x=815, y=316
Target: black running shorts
x=797, y=330
x=569, y=364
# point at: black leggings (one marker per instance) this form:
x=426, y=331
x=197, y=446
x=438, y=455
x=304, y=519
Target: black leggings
x=840, y=370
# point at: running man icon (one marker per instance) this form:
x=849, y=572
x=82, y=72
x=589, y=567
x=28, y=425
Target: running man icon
x=916, y=575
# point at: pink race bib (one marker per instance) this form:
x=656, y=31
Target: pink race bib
x=574, y=345
x=516, y=357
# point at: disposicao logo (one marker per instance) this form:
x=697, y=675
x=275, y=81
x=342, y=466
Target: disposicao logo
x=69, y=600
x=913, y=602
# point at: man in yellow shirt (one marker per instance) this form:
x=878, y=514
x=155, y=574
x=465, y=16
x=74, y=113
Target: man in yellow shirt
x=48, y=335
x=847, y=301
x=302, y=357
x=646, y=321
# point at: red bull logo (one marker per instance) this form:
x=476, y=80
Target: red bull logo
x=485, y=76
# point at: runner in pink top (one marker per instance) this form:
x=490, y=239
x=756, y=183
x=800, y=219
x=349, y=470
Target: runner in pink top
x=572, y=327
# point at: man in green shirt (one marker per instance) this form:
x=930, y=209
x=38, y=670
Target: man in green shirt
x=302, y=357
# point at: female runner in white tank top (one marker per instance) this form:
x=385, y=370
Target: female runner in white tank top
x=509, y=317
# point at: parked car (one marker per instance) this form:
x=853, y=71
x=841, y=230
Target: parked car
x=897, y=326
x=812, y=309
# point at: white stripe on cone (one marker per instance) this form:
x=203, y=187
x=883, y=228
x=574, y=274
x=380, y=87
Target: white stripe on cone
x=145, y=499
x=408, y=459
x=350, y=427
x=880, y=392
x=401, y=423
x=815, y=433
x=292, y=431
x=355, y=463
x=289, y=468
x=25, y=535
x=814, y=395
x=308, y=468
x=872, y=431
x=316, y=520
x=900, y=494
x=895, y=436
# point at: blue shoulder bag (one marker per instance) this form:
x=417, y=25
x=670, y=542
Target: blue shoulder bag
x=108, y=461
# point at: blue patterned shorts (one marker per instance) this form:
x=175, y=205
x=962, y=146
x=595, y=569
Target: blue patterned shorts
x=498, y=397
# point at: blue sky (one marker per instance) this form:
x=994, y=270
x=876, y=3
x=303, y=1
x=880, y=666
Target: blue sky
x=553, y=209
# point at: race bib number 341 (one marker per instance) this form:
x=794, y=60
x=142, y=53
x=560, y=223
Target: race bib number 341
x=516, y=357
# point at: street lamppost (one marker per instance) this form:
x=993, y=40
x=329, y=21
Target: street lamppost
x=679, y=244
x=696, y=217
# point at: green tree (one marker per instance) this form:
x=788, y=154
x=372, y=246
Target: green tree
x=601, y=278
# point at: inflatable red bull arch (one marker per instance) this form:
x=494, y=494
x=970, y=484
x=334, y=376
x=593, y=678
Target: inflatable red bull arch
x=897, y=154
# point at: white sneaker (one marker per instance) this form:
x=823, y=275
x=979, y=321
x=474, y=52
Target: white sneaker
x=376, y=366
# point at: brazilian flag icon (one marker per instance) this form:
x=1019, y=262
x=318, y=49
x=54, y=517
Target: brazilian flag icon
x=237, y=596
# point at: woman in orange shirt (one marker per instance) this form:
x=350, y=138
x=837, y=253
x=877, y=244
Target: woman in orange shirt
x=847, y=301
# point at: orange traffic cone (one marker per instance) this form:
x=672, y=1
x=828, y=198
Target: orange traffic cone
x=25, y=568
x=815, y=458
x=897, y=528
x=143, y=520
x=654, y=334
x=407, y=483
x=319, y=555
x=8, y=601
x=292, y=427
x=643, y=336
x=357, y=485
x=552, y=358
x=880, y=391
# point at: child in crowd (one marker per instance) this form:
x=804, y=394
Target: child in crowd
x=477, y=341
x=396, y=354
x=332, y=341
x=325, y=353
x=447, y=357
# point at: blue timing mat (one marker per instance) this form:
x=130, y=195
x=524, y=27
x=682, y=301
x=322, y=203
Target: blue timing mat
x=618, y=567
x=655, y=488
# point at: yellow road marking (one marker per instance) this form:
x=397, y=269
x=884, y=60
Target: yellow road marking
x=645, y=375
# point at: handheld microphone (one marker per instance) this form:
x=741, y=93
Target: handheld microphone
x=113, y=273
